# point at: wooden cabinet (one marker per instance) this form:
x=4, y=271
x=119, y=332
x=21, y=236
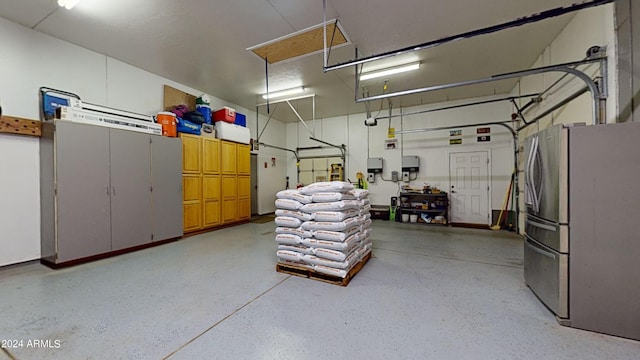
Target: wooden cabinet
x=215, y=191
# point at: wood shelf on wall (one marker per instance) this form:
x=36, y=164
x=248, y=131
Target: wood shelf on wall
x=20, y=126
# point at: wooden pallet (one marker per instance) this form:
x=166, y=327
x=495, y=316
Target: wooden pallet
x=312, y=274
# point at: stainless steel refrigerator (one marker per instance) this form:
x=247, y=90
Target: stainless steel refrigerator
x=582, y=245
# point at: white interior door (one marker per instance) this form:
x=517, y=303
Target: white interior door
x=469, y=193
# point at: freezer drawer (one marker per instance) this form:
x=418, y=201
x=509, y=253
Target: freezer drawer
x=555, y=236
x=546, y=272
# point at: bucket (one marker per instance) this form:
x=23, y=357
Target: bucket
x=405, y=217
x=205, y=110
x=168, y=122
x=413, y=218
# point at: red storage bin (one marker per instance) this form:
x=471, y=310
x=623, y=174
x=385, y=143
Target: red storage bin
x=225, y=114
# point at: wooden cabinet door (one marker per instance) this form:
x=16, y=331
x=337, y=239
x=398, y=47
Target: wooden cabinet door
x=192, y=206
x=192, y=216
x=211, y=213
x=244, y=187
x=229, y=211
x=229, y=157
x=244, y=209
x=210, y=156
x=244, y=159
x=229, y=187
x=191, y=153
x=211, y=187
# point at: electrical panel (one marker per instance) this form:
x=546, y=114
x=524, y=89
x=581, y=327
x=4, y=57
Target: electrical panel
x=374, y=165
x=411, y=164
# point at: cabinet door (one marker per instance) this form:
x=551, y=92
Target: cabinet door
x=244, y=159
x=229, y=211
x=229, y=157
x=244, y=209
x=210, y=156
x=191, y=153
x=192, y=205
x=211, y=213
x=130, y=189
x=244, y=187
x=166, y=182
x=229, y=187
x=192, y=216
x=211, y=187
x=83, y=204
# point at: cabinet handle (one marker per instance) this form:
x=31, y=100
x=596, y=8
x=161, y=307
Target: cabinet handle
x=113, y=191
x=108, y=192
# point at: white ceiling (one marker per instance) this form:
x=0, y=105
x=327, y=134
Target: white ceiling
x=201, y=43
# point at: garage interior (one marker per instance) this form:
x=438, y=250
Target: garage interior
x=487, y=81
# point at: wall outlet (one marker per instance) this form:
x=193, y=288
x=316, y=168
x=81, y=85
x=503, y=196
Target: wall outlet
x=405, y=176
x=394, y=176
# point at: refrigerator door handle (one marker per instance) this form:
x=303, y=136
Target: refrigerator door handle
x=536, y=200
x=539, y=250
x=527, y=178
x=541, y=225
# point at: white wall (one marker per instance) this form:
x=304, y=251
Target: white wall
x=432, y=147
x=30, y=60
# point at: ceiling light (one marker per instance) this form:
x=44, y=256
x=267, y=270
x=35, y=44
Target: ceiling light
x=286, y=92
x=68, y=4
x=389, y=71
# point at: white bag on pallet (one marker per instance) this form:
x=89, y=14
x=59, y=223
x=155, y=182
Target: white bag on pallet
x=293, y=195
x=364, y=202
x=360, y=193
x=332, y=226
x=347, y=263
x=305, y=250
x=330, y=206
x=288, y=239
x=335, y=235
x=334, y=255
x=331, y=196
x=366, y=225
x=301, y=264
x=335, y=215
x=365, y=209
x=331, y=271
x=345, y=246
x=296, y=214
x=299, y=231
x=288, y=204
x=326, y=186
x=293, y=256
x=288, y=221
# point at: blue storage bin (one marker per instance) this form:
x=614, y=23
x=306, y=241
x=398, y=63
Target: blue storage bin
x=241, y=119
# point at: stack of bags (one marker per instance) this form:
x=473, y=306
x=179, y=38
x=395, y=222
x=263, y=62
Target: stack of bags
x=325, y=227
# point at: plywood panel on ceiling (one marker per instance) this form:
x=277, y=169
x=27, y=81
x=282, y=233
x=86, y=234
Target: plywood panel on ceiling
x=303, y=43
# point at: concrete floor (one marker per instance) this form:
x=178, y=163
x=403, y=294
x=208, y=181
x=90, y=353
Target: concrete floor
x=430, y=292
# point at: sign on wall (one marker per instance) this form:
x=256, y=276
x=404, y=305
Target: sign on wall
x=484, y=138
x=455, y=141
x=455, y=132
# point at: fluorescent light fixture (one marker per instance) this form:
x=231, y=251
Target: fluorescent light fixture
x=389, y=71
x=68, y=4
x=271, y=95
